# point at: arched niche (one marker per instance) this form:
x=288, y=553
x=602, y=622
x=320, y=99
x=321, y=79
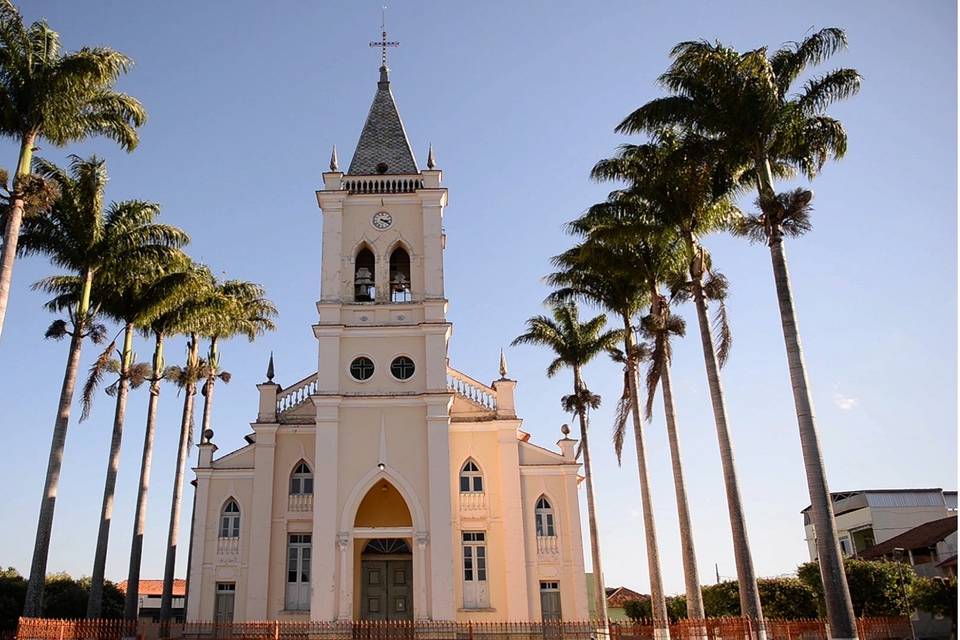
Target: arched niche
x=383, y=506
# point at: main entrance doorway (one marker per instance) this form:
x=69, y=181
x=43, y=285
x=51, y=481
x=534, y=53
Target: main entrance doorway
x=386, y=580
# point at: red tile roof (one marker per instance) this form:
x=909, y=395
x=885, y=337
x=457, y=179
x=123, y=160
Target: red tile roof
x=617, y=596
x=155, y=587
x=926, y=535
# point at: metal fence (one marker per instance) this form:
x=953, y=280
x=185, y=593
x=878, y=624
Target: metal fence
x=709, y=629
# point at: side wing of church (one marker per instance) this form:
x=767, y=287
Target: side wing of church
x=387, y=485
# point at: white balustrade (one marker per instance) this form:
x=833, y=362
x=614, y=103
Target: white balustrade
x=228, y=546
x=300, y=503
x=476, y=392
x=297, y=394
x=473, y=501
x=548, y=546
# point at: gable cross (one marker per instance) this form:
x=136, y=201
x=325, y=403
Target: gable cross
x=384, y=43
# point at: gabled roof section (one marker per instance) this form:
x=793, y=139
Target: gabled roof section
x=926, y=535
x=383, y=148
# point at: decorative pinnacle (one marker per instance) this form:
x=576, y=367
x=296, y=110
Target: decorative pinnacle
x=334, y=162
x=431, y=162
x=565, y=430
x=270, y=368
x=503, y=365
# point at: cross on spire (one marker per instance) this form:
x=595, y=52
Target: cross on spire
x=383, y=43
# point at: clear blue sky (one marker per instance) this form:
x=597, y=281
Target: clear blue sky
x=520, y=99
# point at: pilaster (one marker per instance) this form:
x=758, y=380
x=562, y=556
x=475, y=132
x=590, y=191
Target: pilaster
x=261, y=520
x=441, y=518
x=325, y=556
x=514, y=561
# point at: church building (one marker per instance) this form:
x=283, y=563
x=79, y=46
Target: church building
x=387, y=485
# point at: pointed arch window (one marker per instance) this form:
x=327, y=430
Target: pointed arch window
x=544, y=518
x=301, y=480
x=230, y=519
x=364, y=276
x=400, y=275
x=471, y=479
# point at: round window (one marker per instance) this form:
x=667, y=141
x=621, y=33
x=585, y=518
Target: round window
x=361, y=368
x=402, y=368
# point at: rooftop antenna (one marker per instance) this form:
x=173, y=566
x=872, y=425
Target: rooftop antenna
x=383, y=43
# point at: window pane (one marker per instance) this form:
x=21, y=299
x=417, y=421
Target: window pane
x=478, y=484
x=308, y=485
x=464, y=483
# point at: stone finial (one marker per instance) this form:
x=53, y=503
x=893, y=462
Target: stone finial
x=503, y=365
x=334, y=162
x=565, y=430
x=207, y=436
x=270, y=368
x=431, y=161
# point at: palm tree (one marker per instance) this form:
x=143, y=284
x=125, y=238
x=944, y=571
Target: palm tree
x=622, y=223
x=62, y=98
x=575, y=344
x=190, y=294
x=687, y=182
x=207, y=306
x=79, y=235
x=745, y=101
x=243, y=310
x=132, y=298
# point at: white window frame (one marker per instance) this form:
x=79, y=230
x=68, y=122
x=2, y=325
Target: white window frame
x=470, y=471
x=230, y=519
x=299, y=552
x=474, y=570
x=226, y=592
x=301, y=480
x=544, y=518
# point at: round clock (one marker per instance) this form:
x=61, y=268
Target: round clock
x=382, y=220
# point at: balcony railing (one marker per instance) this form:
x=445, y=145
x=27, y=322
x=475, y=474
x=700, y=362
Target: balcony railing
x=473, y=501
x=228, y=546
x=297, y=394
x=300, y=503
x=548, y=546
x=474, y=391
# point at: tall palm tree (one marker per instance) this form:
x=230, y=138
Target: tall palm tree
x=132, y=298
x=655, y=260
x=243, y=310
x=746, y=102
x=208, y=305
x=56, y=96
x=80, y=235
x=575, y=344
x=190, y=298
x=687, y=181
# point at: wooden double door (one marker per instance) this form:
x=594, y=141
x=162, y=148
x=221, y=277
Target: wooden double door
x=386, y=587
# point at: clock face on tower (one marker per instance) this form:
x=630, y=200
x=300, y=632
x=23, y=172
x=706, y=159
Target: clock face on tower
x=382, y=220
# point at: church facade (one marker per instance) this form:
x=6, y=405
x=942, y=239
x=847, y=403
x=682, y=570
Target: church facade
x=387, y=485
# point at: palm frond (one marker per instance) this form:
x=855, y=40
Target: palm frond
x=57, y=330
x=97, y=370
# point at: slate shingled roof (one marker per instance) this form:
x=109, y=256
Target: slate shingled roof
x=383, y=140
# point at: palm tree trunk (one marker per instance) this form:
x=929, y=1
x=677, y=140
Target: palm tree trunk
x=95, y=601
x=836, y=592
x=658, y=604
x=749, y=594
x=599, y=592
x=691, y=575
x=11, y=234
x=183, y=451
x=33, y=602
x=132, y=600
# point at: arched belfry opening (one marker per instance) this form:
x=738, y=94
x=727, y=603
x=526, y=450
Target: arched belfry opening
x=384, y=581
x=400, y=275
x=364, y=276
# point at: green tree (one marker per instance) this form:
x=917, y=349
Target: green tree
x=82, y=236
x=13, y=589
x=686, y=182
x=747, y=102
x=603, y=275
x=187, y=299
x=58, y=97
x=575, y=344
x=722, y=599
x=619, y=232
x=937, y=595
x=876, y=588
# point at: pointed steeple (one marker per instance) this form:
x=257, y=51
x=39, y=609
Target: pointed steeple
x=431, y=163
x=383, y=147
x=334, y=161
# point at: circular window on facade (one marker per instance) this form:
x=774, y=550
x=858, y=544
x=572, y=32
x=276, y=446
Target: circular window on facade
x=402, y=368
x=361, y=368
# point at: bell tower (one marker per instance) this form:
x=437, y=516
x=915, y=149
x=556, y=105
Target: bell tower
x=382, y=402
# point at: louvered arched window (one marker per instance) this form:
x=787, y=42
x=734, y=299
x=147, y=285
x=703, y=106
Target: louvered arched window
x=544, y=518
x=301, y=480
x=471, y=479
x=230, y=519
